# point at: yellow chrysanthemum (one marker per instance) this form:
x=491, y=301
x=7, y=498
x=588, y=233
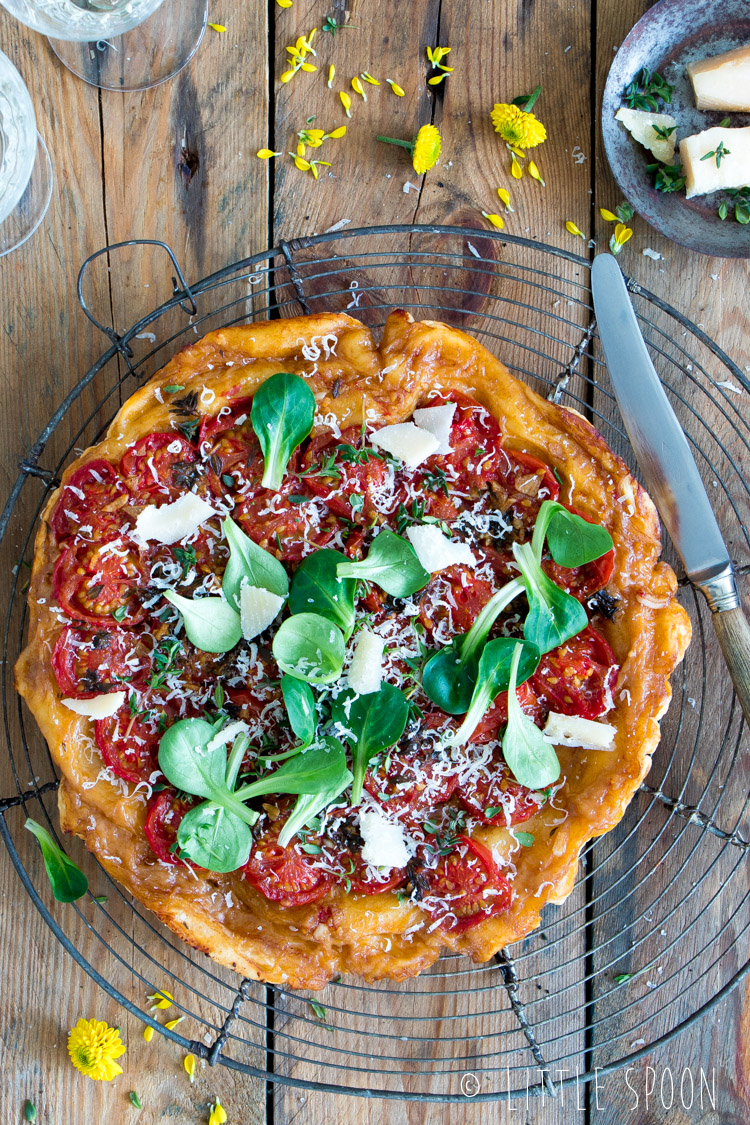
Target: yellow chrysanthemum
x=517, y=127
x=427, y=145
x=218, y=1114
x=93, y=1048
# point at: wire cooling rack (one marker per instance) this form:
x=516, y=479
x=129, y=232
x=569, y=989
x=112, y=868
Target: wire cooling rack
x=655, y=932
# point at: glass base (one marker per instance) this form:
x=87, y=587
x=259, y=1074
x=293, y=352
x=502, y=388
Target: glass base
x=144, y=57
x=32, y=206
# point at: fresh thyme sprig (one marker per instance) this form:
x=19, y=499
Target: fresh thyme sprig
x=645, y=90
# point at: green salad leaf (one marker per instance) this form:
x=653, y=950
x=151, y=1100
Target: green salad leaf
x=554, y=616
x=572, y=540
x=309, y=647
x=318, y=769
x=300, y=708
x=250, y=563
x=67, y=880
x=373, y=723
x=214, y=838
x=531, y=759
x=210, y=623
x=282, y=416
x=317, y=588
x=494, y=676
x=391, y=563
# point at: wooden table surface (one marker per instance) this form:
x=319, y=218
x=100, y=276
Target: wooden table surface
x=178, y=163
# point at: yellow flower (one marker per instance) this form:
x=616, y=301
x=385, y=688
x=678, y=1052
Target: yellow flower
x=93, y=1048
x=608, y=216
x=495, y=220
x=331, y=75
x=266, y=153
x=358, y=88
x=573, y=229
x=218, y=27
x=535, y=173
x=336, y=134
x=427, y=145
x=148, y=1033
x=517, y=127
x=516, y=170
x=346, y=102
x=189, y=1062
x=424, y=149
x=218, y=1114
x=171, y=1024
x=162, y=1000
x=504, y=196
x=619, y=238
x=369, y=78
x=395, y=87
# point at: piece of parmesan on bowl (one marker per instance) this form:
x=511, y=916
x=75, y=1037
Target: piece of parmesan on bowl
x=722, y=82
x=655, y=131
x=703, y=172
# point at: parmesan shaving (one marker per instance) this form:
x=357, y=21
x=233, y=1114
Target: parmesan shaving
x=100, y=707
x=171, y=522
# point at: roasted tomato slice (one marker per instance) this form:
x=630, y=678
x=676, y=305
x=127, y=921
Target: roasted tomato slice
x=368, y=881
x=284, y=875
x=288, y=528
x=357, y=472
x=495, y=797
x=236, y=417
x=129, y=744
x=451, y=601
x=91, y=503
x=90, y=662
x=581, y=581
x=165, y=811
x=522, y=482
x=410, y=786
x=468, y=885
x=475, y=440
x=95, y=581
x=159, y=465
x=578, y=677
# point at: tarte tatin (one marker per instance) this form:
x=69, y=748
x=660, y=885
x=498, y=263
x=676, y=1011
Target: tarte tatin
x=437, y=613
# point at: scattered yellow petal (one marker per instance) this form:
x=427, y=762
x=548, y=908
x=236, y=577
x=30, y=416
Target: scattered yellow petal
x=218, y=27
x=517, y=127
x=369, y=78
x=93, y=1048
x=435, y=54
x=436, y=81
x=518, y=151
x=189, y=1062
x=300, y=149
x=504, y=196
x=426, y=150
x=516, y=170
x=171, y=1024
x=218, y=1114
x=535, y=173
x=608, y=216
x=303, y=165
x=496, y=220
x=340, y=132
x=447, y=69
x=346, y=102
x=308, y=66
x=623, y=233
x=162, y=1000
x=266, y=153
x=331, y=75
x=285, y=3
x=358, y=88
x=395, y=87
x=148, y=1033
x=287, y=75
x=314, y=170
x=573, y=229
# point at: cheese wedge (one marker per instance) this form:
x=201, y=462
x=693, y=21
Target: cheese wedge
x=722, y=82
x=733, y=171
x=643, y=125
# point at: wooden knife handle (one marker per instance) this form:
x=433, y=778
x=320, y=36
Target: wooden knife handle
x=733, y=632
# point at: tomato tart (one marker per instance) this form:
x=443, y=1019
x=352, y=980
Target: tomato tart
x=343, y=651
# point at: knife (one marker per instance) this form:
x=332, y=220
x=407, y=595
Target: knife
x=668, y=468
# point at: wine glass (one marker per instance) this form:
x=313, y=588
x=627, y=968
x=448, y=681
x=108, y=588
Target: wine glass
x=118, y=44
x=25, y=168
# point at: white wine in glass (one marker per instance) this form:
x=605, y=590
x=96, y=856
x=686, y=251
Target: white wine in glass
x=118, y=44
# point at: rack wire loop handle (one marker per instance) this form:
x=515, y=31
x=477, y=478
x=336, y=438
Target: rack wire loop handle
x=180, y=288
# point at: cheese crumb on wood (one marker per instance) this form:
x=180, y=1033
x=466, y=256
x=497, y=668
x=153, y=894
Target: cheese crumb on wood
x=722, y=82
x=168, y=523
x=436, y=551
x=100, y=707
x=571, y=730
x=702, y=176
x=258, y=609
x=384, y=844
x=640, y=123
x=410, y=443
x=438, y=420
x=366, y=669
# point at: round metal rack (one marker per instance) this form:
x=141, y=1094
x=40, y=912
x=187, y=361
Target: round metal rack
x=655, y=932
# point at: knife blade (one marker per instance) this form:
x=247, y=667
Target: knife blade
x=668, y=466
